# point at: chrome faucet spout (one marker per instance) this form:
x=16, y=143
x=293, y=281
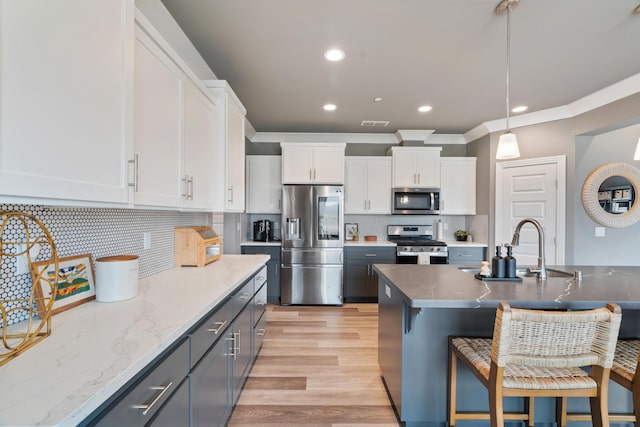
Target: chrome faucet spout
x=541, y=271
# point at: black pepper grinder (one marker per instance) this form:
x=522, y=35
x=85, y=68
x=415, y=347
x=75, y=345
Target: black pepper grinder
x=498, y=264
x=510, y=263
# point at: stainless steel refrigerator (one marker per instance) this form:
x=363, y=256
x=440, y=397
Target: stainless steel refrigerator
x=312, y=234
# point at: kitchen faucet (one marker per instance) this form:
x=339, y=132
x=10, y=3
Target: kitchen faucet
x=541, y=271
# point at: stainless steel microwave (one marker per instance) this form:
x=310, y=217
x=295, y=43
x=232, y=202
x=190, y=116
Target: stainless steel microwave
x=415, y=201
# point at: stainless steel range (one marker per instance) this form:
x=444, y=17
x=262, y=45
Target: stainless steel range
x=414, y=239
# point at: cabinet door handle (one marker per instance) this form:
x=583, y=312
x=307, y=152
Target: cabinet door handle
x=185, y=187
x=310, y=174
x=237, y=342
x=230, y=190
x=220, y=326
x=261, y=332
x=419, y=179
x=190, y=193
x=365, y=205
x=369, y=204
x=233, y=351
x=279, y=204
x=134, y=162
x=163, y=389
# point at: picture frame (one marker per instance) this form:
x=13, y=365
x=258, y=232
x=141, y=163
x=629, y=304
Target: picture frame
x=76, y=282
x=351, y=231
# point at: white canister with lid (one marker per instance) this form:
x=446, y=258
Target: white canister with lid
x=116, y=278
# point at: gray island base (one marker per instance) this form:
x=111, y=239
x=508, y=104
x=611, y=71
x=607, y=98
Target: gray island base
x=421, y=305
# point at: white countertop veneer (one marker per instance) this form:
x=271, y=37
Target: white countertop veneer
x=369, y=243
x=457, y=244
x=95, y=348
x=252, y=243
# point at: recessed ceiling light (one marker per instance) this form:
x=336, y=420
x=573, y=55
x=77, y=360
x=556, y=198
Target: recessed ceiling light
x=329, y=107
x=425, y=108
x=377, y=99
x=334, y=55
x=519, y=109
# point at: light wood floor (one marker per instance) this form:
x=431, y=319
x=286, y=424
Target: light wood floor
x=318, y=367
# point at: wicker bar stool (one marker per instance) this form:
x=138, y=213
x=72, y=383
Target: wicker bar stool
x=537, y=353
x=626, y=372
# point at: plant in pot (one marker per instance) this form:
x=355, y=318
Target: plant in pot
x=461, y=235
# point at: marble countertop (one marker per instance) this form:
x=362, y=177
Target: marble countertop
x=366, y=243
x=455, y=243
x=95, y=348
x=447, y=286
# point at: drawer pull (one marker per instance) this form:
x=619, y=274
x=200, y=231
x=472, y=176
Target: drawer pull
x=244, y=296
x=467, y=255
x=237, y=341
x=221, y=325
x=370, y=254
x=163, y=390
x=261, y=332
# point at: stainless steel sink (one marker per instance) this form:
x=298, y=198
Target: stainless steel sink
x=521, y=272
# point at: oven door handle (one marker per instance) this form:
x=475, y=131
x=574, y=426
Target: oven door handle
x=407, y=253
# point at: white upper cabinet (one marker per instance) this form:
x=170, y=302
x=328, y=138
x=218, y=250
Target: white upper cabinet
x=228, y=161
x=458, y=186
x=158, y=125
x=417, y=167
x=264, y=184
x=367, y=185
x=199, y=137
x=310, y=163
x=174, y=128
x=65, y=100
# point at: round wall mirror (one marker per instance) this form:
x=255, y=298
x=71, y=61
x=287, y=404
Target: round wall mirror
x=610, y=195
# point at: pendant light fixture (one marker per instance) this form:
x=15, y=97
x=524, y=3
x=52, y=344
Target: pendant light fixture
x=508, y=143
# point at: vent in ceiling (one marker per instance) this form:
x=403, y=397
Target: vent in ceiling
x=375, y=123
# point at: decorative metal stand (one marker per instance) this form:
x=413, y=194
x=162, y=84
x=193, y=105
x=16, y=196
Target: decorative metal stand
x=21, y=235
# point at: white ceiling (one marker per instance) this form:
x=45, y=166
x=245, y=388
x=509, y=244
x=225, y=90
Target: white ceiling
x=450, y=54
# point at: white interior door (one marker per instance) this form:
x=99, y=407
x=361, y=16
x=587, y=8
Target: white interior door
x=533, y=188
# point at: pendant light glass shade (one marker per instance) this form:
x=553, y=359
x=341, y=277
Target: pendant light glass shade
x=637, y=155
x=507, y=147
x=508, y=143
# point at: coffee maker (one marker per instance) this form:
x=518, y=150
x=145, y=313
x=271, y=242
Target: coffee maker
x=263, y=230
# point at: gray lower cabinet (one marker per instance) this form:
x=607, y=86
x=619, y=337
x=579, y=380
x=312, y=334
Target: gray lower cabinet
x=360, y=281
x=463, y=255
x=198, y=380
x=273, y=268
x=210, y=397
x=243, y=333
x=152, y=390
x=176, y=411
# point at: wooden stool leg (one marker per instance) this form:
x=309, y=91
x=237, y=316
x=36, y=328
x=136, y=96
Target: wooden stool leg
x=496, y=409
x=561, y=411
x=599, y=405
x=531, y=411
x=635, y=389
x=453, y=360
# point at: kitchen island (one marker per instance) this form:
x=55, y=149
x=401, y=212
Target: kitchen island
x=421, y=305
x=97, y=349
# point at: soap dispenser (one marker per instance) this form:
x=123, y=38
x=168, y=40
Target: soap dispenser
x=510, y=262
x=498, y=264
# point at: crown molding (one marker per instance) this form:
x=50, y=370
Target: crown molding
x=612, y=93
x=607, y=95
x=426, y=136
